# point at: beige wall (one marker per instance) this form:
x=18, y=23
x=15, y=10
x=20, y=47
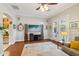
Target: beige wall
x=65, y=18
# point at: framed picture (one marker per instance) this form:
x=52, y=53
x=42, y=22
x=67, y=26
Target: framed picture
x=14, y=26
x=34, y=28
x=74, y=25
x=55, y=30
x=62, y=28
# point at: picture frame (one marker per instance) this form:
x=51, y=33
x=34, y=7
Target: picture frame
x=74, y=25
x=62, y=28
x=14, y=26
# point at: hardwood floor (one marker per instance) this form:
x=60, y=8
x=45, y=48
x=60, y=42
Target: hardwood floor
x=16, y=49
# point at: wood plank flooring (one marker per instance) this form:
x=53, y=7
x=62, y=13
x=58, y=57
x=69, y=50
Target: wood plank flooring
x=16, y=49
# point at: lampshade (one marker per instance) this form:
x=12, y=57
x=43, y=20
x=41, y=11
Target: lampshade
x=63, y=33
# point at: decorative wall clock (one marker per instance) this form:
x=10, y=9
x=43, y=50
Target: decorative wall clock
x=20, y=27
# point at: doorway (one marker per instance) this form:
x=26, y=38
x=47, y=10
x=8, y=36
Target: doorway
x=6, y=27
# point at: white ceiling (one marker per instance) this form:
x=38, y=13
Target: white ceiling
x=28, y=9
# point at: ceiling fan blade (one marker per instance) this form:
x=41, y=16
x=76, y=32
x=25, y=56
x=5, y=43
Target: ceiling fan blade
x=38, y=8
x=52, y=3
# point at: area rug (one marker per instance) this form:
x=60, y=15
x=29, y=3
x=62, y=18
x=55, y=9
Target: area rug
x=42, y=49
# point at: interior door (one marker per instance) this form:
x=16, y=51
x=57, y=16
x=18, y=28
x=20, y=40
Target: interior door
x=26, y=33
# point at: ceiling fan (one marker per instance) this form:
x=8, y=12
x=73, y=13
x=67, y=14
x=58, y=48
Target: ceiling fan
x=44, y=6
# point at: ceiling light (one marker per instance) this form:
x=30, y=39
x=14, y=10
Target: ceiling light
x=46, y=6
x=42, y=8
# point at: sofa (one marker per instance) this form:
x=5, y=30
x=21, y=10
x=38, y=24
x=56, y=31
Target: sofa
x=72, y=48
x=70, y=51
x=67, y=48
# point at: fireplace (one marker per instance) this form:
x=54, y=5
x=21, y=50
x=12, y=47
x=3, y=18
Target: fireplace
x=35, y=37
x=33, y=32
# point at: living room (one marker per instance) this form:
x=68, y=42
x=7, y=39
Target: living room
x=61, y=27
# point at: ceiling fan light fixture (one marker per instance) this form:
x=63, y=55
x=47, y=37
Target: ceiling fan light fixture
x=42, y=8
x=46, y=6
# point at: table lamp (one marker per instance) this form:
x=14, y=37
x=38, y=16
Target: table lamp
x=63, y=34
